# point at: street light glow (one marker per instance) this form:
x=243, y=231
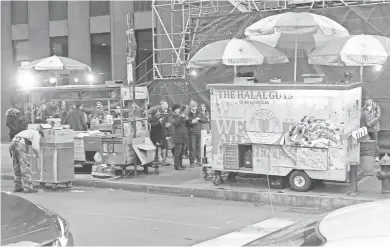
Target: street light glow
x=90, y=78
x=52, y=80
x=193, y=73
x=26, y=79
x=378, y=68
x=76, y=79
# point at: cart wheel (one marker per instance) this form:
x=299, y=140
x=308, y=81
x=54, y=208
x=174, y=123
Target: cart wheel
x=204, y=173
x=42, y=184
x=217, y=180
x=157, y=170
x=54, y=186
x=69, y=184
x=300, y=181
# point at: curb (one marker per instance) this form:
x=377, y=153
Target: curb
x=261, y=197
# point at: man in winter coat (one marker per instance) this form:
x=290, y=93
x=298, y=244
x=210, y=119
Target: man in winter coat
x=167, y=115
x=180, y=135
x=371, y=114
x=76, y=119
x=157, y=132
x=195, y=123
x=15, y=121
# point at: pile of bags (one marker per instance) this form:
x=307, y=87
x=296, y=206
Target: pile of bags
x=312, y=132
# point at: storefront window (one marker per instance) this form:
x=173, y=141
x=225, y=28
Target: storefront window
x=101, y=56
x=141, y=6
x=19, y=12
x=20, y=51
x=99, y=8
x=59, y=46
x=144, y=52
x=58, y=10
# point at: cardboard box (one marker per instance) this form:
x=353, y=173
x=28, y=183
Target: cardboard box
x=58, y=136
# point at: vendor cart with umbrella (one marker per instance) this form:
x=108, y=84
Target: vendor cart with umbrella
x=294, y=30
x=110, y=140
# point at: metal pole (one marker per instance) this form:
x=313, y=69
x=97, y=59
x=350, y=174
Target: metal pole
x=353, y=178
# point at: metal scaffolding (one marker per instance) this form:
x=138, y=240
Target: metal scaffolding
x=177, y=21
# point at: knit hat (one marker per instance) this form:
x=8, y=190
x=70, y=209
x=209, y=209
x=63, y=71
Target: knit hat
x=175, y=106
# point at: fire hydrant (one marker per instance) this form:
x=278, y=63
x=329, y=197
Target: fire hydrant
x=384, y=174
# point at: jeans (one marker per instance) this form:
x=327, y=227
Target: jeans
x=179, y=150
x=374, y=136
x=195, y=148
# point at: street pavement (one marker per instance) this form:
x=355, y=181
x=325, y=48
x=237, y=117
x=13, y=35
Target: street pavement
x=106, y=217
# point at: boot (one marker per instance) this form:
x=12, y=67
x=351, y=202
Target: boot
x=16, y=190
x=30, y=191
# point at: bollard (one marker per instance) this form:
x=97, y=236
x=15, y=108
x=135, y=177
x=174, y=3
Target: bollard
x=353, y=178
x=204, y=159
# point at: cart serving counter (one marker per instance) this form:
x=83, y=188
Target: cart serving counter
x=292, y=133
x=111, y=142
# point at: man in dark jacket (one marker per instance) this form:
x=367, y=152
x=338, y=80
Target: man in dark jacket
x=157, y=132
x=195, y=123
x=371, y=114
x=76, y=119
x=180, y=136
x=15, y=121
x=167, y=115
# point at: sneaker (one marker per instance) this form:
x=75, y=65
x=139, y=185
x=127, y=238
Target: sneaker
x=30, y=191
x=18, y=190
x=167, y=164
x=192, y=165
x=377, y=159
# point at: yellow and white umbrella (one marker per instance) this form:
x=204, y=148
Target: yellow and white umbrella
x=352, y=50
x=236, y=52
x=289, y=28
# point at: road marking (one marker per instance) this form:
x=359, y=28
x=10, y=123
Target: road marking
x=147, y=219
x=248, y=234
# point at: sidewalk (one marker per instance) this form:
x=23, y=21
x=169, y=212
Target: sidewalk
x=190, y=183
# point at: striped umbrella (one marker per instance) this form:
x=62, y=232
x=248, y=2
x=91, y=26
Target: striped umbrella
x=353, y=50
x=293, y=28
x=236, y=52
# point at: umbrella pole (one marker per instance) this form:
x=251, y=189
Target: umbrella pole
x=361, y=73
x=295, y=60
x=235, y=71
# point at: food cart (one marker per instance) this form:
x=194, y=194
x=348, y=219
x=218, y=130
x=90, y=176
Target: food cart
x=53, y=165
x=111, y=142
x=292, y=133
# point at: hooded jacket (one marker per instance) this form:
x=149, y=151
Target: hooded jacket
x=15, y=122
x=371, y=117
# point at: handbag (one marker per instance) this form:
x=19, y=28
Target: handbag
x=170, y=143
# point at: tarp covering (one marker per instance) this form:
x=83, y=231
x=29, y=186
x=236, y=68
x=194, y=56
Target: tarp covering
x=363, y=19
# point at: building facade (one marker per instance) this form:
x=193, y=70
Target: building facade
x=92, y=32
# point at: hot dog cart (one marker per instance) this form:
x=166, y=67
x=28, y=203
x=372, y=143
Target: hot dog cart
x=111, y=142
x=292, y=133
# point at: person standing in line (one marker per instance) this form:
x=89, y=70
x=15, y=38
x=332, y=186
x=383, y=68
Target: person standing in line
x=19, y=151
x=167, y=115
x=76, y=119
x=15, y=121
x=206, y=114
x=185, y=109
x=371, y=114
x=157, y=134
x=195, y=122
x=180, y=136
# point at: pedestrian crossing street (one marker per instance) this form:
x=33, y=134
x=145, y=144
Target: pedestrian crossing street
x=248, y=234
